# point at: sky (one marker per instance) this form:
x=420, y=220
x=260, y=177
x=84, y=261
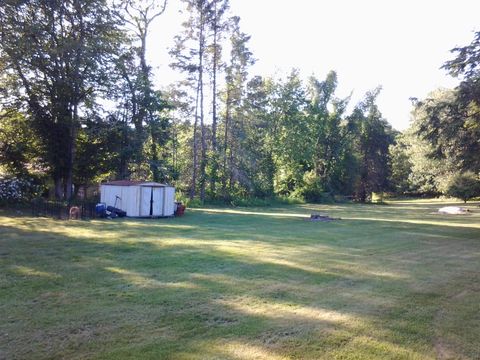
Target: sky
x=399, y=45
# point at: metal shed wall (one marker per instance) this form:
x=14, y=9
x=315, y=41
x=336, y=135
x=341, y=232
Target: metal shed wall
x=128, y=200
x=108, y=194
x=169, y=207
x=131, y=203
x=135, y=199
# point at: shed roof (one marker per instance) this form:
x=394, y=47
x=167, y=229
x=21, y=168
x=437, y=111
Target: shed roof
x=133, y=183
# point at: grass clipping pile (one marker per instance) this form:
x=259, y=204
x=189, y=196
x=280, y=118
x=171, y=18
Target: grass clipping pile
x=321, y=218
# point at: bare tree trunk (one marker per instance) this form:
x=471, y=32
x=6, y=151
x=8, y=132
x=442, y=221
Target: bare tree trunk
x=140, y=15
x=123, y=171
x=145, y=83
x=58, y=187
x=231, y=180
x=214, y=105
x=71, y=153
x=195, y=149
x=225, y=143
x=174, y=148
x=69, y=173
x=202, y=124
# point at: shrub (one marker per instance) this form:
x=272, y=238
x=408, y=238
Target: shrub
x=312, y=189
x=263, y=202
x=377, y=197
x=464, y=186
x=14, y=189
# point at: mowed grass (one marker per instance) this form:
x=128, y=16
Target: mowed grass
x=386, y=282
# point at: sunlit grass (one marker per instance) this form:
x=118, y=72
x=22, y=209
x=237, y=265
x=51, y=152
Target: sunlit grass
x=387, y=281
x=26, y=271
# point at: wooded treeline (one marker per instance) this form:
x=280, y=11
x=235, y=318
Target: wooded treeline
x=440, y=152
x=79, y=105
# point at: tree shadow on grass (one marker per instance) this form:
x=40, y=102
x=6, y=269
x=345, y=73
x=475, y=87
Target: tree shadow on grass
x=198, y=299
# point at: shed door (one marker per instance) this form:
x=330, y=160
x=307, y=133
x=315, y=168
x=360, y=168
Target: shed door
x=145, y=200
x=169, y=201
x=158, y=201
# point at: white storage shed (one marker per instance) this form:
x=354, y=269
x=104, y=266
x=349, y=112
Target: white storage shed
x=139, y=198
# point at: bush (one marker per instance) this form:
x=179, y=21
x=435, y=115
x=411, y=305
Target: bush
x=464, y=186
x=312, y=189
x=377, y=197
x=14, y=190
x=263, y=202
x=238, y=201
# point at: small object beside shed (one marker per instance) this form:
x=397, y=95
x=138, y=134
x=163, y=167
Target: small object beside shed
x=179, y=209
x=139, y=198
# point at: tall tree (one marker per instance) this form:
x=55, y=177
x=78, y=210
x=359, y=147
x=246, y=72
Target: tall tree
x=189, y=56
x=257, y=147
x=146, y=103
x=432, y=166
x=326, y=128
x=290, y=131
x=401, y=165
x=236, y=74
x=374, y=136
x=60, y=53
x=218, y=25
x=452, y=122
x=21, y=154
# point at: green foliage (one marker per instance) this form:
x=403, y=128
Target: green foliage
x=256, y=145
x=181, y=196
x=328, y=134
x=15, y=190
x=21, y=153
x=467, y=62
x=243, y=201
x=378, y=197
x=442, y=122
x=57, y=56
x=464, y=186
x=267, y=137
x=312, y=188
x=448, y=121
x=414, y=170
x=373, y=138
x=451, y=121
x=59, y=63
x=285, y=138
x=401, y=166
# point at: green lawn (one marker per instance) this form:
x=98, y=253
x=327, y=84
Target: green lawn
x=393, y=281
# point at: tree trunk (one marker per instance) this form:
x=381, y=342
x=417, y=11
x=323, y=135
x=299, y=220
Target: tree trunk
x=195, y=148
x=231, y=180
x=58, y=187
x=123, y=171
x=174, y=149
x=71, y=154
x=143, y=52
x=214, y=106
x=202, y=124
x=225, y=143
x=154, y=162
